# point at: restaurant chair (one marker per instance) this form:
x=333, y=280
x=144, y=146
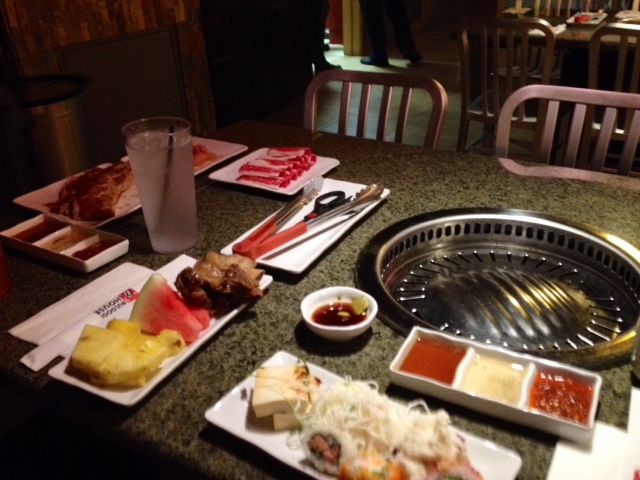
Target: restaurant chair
x=498, y=56
x=374, y=93
x=614, y=49
x=574, y=125
x=614, y=65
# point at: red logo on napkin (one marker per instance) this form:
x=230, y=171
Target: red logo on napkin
x=129, y=295
x=112, y=306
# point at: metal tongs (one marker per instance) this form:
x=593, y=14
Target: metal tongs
x=255, y=246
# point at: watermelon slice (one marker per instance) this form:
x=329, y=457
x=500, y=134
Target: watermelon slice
x=158, y=308
x=202, y=315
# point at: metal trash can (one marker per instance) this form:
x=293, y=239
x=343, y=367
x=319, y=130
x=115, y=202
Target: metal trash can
x=18, y=167
x=53, y=103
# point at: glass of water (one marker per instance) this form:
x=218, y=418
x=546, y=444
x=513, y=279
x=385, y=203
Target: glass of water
x=161, y=156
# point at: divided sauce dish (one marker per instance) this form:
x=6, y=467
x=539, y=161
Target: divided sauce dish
x=74, y=246
x=516, y=387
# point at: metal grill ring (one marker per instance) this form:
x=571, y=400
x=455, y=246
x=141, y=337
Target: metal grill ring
x=517, y=279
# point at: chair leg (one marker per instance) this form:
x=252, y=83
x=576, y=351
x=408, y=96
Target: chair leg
x=462, y=135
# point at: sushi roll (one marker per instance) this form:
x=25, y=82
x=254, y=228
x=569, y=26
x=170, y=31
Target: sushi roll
x=371, y=466
x=325, y=449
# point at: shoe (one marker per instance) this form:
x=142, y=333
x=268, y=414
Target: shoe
x=375, y=63
x=326, y=66
x=413, y=57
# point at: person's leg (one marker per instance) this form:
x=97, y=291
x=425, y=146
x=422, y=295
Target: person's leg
x=373, y=17
x=399, y=18
x=319, y=12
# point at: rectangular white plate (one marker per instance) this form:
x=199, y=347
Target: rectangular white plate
x=520, y=414
x=230, y=173
x=596, y=19
x=131, y=396
x=129, y=201
x=296, y=255
x=231, y=414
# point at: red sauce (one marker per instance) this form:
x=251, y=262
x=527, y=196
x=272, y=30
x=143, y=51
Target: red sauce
x=337, y=314
x=93, y=250
x=562, y=397
x=37, y=232
x=434, y=361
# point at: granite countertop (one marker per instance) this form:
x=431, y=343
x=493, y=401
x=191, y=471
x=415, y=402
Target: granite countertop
x=169, y=425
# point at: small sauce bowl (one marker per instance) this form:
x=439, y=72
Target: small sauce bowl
x=334, y=295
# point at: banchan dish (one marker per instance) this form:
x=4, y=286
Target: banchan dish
x=516, y=387
x=73, y=246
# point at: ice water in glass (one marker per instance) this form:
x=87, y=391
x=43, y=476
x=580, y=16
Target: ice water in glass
x=161, y=155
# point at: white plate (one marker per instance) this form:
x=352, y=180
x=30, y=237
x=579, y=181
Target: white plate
x=129, y=201
x=231, y=414
x=230, y=173
x=596, y=19
x=518, y=413
x=296, y=255
x=221, y=150
x=131, y=396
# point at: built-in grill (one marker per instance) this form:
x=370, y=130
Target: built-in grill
x=522, y=280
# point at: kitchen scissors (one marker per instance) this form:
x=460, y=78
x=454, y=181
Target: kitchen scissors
x=269, y=236
x=327, y=201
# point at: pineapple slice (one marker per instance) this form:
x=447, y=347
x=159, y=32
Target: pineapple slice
x=121, y=356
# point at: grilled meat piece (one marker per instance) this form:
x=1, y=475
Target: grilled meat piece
x=220, y=283
x=93, y=195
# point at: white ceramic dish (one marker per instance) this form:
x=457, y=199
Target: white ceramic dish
x=519, y=412
x=129, y=201
x=132, y=396
x=230, y=173
x=41, y=248
x=297, y=255
x=231, y=414
x=330, y=295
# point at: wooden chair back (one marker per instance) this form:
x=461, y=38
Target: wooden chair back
x=389, y=109
x=619, y=42
x=575, y=102
x=496, y=59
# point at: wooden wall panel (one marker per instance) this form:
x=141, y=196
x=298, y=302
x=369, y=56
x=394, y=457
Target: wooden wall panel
x=40, y=29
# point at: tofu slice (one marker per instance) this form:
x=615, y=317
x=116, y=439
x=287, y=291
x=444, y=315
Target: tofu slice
x=278, y=390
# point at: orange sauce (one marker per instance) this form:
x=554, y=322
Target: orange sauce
x=37, y=232
x=562, y=397
x=93, y=250
x=434, y=361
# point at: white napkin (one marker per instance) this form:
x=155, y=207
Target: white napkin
x=571, y=173
x=596, y=460
x=558, y=29
x=61, y=315
x=111, y=296
x=631, y=465
x=628, y=14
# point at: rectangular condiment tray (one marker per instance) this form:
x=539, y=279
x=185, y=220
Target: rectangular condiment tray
x=492, y=380
x=57, y=241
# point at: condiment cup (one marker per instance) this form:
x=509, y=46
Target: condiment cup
x=328, y=295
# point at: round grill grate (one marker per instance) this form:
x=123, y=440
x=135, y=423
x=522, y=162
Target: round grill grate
x=517, y=279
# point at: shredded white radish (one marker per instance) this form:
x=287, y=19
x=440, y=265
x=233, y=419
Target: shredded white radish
x=370, y=421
